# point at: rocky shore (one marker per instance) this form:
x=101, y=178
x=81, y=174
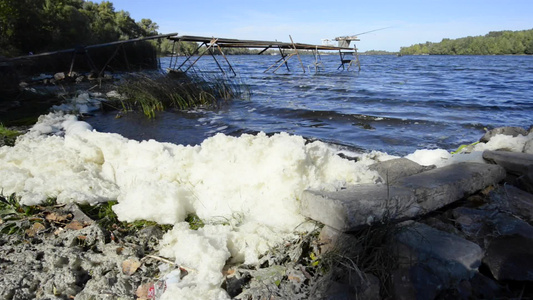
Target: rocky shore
x=462, y=231
x=458, y=232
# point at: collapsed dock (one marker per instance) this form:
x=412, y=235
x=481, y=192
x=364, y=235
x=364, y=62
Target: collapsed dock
x=206, y=46
x=348, y=55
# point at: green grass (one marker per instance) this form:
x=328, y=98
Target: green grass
x=14, y=217
x=8, y=136
x=104, y=215
x=6, y=132
x=157, y=92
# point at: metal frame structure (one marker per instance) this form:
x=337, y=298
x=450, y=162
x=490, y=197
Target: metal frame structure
x=206, y=46
x=219, y=43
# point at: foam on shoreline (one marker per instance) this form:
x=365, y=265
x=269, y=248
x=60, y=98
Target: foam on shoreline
x=246, y=189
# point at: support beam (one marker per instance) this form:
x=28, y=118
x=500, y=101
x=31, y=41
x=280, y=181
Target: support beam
x=297, y=54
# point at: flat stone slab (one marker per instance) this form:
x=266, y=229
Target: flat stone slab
x=394, y=169
x=358, y=205
x=439, y=187
x=514, y=162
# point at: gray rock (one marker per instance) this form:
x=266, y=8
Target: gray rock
x=515, y=201
x=411, y=196
x=59, y=76
x=393, y=169
x=108, y=75
x=366, y=286
x=350, y=208
x=525, y=182
x=512, y=131
x=514, y=162
x=340, y=291
x=329, y=237
x=483, y=287
x=450, y=257
x=78, y=214
x=505, y=224
x=482, y=225
x=234, y=284
x=510, y=258
x=439, y=187
x=431, y=261
x=416, y=282
x=474, y=223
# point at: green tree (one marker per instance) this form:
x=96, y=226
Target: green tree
x=495, y=42
x=42, y=25
x=126, y=26
x=148, y=27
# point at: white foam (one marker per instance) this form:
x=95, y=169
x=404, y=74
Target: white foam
x=246, y=189
x=441, y=157
x=82, y=103
x=506, y=142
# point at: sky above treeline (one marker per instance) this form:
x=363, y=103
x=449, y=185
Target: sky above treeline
x=406, y=22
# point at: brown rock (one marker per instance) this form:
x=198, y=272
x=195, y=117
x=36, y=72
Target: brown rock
x=130, y=266
x=74, y=225
x=142, y=291
x=35, y=229
x=57, y=217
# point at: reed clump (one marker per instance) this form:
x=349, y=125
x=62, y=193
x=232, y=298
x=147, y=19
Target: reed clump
x=8, y=136
x=152, y=93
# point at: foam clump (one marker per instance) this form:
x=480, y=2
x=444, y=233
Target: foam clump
x=505, y=142
x=203, y=253
x=246, y=189
x=471, y=153
x=83, y=103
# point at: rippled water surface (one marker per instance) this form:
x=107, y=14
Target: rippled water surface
x=394, y=104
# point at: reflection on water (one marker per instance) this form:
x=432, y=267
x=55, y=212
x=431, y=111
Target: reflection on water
x=394, y=104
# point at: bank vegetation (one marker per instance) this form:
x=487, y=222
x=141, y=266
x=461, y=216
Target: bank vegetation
x=494, y=43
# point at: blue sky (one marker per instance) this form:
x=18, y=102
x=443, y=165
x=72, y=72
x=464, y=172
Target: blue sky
x=410, y=21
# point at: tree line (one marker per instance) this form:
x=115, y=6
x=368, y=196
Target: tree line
x=32, y=26
x=493, y=43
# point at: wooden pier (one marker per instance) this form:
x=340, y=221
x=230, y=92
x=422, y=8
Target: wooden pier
x=206, y=45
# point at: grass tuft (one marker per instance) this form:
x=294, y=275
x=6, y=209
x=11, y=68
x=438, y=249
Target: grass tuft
x=152, y=93
x=8, y=136
x=194, y=221
x=15, y=217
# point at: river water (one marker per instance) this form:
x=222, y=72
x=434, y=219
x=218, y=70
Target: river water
x=393, y=104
